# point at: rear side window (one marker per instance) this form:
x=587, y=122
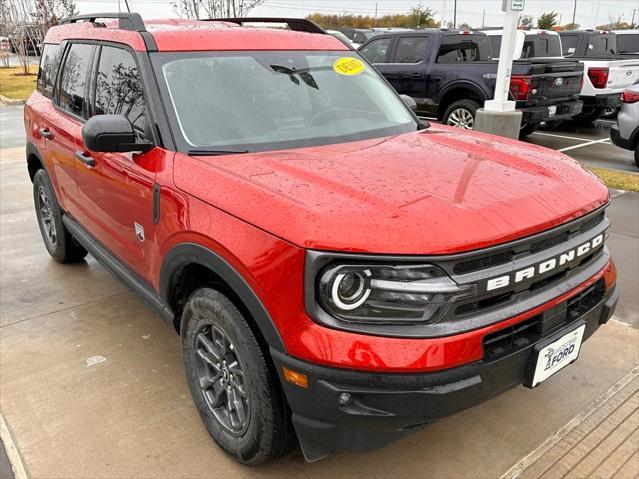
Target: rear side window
x=540, y=46
x=375, y=51
x=601, y=45
x=411, y=50
x=495, y=45
x=568, y=44
x=628, y=43
x=49, y=64
x=463, y=48
x=118, y=89
x=73, y=80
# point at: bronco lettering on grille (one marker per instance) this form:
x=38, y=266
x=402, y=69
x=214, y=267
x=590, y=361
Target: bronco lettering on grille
x=545, y=266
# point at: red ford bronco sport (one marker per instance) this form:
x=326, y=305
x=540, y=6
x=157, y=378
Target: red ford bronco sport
x=334, y=266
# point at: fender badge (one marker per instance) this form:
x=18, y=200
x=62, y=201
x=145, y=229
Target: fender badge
x=139, y=231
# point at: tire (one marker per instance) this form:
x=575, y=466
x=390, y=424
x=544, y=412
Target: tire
x=60, y=244
x=461, y=114
x=527, y=129
x=637, y=155
x=258, y=429
x=589, y=115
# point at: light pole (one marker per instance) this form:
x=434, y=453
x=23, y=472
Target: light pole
x=455, y=15
x=574, y=12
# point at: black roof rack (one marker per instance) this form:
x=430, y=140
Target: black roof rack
x=295, y=24
x=128, y=21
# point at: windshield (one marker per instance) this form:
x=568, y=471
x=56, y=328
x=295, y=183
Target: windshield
x=258, y=101
x=541, y=46
x=628, y=43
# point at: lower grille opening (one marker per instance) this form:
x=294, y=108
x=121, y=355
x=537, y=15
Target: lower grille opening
x=518, y=336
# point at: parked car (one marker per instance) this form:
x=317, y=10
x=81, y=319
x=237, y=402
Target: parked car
x=5, y=45
x=337, y=269
x=606, y=72
x=625, y=134
x=627, y=42
x=340, y=36
x=357, y=36
x=450, y=74
x=30, y=37
x=532, y=43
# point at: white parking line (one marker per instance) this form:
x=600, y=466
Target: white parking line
x=554, y=135
x=604, y=140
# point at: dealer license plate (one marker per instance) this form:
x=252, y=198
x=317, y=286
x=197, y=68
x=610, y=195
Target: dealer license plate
x=552, y=110
x=556, y=355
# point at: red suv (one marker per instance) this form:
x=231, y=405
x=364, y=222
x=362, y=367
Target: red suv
x=335, y=267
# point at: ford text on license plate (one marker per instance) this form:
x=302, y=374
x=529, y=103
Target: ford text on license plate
x=550, y=358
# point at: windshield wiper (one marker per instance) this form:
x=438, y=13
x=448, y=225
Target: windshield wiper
x=205, y=152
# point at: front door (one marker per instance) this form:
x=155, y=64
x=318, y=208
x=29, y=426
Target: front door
x=116, y=190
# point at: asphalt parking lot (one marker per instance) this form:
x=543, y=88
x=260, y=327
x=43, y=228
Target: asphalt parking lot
x=92, y=385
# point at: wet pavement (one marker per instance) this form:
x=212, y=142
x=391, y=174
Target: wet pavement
x=92, y=383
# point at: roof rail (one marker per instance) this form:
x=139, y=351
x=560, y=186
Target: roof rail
x=295, y=24
x=128, y=21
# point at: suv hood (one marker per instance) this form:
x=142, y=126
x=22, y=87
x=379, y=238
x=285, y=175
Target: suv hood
x=435, y=191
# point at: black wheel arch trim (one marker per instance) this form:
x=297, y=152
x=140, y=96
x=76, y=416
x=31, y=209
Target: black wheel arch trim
x=461, y=85
x=32, y=150
x=192, y=253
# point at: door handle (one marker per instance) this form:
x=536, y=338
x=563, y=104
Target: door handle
x=86, y=159
x=45, y=133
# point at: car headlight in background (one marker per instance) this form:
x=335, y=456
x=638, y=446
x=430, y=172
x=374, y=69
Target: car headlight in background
x=393, y=294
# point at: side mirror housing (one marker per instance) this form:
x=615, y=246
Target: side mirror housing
x=409, y=102
x=112, y=134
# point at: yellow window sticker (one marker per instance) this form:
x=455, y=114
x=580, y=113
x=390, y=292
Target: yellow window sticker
x=348, y=66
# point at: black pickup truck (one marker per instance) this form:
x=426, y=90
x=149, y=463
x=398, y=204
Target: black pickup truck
x=450, y=74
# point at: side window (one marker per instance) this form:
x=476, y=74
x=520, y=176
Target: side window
x=72, y=96
x=411, y=50
x=49, y=64
x=375, y=51
x=118, y=89
x=568, y=44
x=463, y=48
x=495, y=45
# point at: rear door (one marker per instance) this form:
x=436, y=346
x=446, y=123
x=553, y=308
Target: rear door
x=116, y=193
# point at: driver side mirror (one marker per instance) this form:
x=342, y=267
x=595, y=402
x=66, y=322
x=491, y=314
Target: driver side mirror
x=409, y=102
x=112, y=134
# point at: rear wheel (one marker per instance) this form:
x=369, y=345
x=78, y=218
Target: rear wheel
x=461, y=114
x=60, y=244
x=637, y=155
x=589, y=114
x=233, y=383
x=527, y=129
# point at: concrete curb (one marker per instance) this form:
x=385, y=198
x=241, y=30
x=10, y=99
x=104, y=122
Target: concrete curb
x=12, y=451
x=4, y=101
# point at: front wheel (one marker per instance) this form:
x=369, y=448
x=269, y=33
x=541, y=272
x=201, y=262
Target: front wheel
x=233, y=383
x=461, y=114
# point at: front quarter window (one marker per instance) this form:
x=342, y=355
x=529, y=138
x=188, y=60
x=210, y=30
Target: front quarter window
x=258, y=101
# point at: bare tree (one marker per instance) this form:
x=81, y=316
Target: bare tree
x=196, y=9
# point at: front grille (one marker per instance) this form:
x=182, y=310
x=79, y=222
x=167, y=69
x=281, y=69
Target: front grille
x=518, y=336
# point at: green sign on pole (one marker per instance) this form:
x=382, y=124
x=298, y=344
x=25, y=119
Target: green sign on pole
x=517, y=5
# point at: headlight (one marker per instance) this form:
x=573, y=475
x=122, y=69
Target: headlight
x=388, y=293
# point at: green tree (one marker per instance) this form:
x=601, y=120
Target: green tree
x=547, y=20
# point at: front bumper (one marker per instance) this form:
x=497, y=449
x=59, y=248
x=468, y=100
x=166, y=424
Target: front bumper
x=383, y=407
x=537, y=114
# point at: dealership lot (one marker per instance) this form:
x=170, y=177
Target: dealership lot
x=92, y=383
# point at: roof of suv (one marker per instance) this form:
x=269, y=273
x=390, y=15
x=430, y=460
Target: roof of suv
x=189, y=35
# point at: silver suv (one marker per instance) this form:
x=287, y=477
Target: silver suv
x=625, y=134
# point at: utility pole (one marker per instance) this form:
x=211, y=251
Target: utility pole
x=455, y=15
x=375, y=21
x=632, y=24
x=483, y=19
x=574, y=12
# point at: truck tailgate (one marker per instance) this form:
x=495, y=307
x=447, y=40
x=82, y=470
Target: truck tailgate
x=554, y=79
x=623, y=73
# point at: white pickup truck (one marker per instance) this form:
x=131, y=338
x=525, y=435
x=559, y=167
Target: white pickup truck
x=606, y=72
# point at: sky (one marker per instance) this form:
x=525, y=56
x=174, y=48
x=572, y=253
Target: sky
x=589, y=13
